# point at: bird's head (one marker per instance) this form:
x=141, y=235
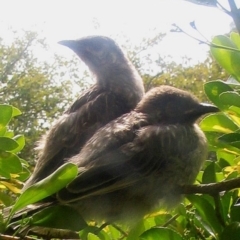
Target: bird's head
x=98, y=52
x=171, y=105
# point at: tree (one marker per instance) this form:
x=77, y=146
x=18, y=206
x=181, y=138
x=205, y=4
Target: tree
x=42, y=90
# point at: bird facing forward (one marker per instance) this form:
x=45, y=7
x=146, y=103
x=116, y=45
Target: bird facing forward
x=118, y=89
x=136, y=162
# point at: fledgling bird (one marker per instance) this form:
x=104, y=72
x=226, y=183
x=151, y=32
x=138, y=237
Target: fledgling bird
x=117, y=90
x=136, y=162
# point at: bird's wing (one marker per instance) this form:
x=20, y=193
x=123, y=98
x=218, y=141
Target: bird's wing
x=75, y=128
x=86, y=96
x=121, y=167
x=69, y=134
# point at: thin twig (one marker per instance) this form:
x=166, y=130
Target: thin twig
x=211, y=188
x=170, y=220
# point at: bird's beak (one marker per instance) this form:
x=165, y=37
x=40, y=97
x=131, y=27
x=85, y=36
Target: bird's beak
x=201, y=109
x=72, y=44
x=207, y=108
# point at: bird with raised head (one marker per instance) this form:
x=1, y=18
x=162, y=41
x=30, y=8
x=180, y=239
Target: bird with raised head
x=136, y=162
x=117, y=90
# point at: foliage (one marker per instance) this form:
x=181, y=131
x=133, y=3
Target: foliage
x=13, y=169
x=40, y=89
x=160, y=69
x=185, y=76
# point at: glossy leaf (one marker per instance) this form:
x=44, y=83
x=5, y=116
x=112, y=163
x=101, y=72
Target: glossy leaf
x=93, y=237
x=5, y=114
x=231, y=138
x=90, y=232
x=7, y=144
x=60, y=217
x=226, y=202
x=160, y=233
x=206, y=212
x=3, y=130
x=21, y=143
x=235, y=39
x=24, y=174
x=228, y=157
x=5, y=198
x=218, y=122
x=11, y=186
x=9, y=163
x=209, y=175
x=234, y=114
x=213, y=90
x=46, y=187
x=230, y=99
x=231, y=232
x=228, y=59
x=16, y=112
x=235, y=213
x=137, y=230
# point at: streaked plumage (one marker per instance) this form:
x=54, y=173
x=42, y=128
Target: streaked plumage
x=137, y=161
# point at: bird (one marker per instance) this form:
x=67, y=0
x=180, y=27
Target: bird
x=117, y=90
x=136, y=163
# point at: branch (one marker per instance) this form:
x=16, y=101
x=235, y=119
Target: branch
x=211, y=188
x=235, y=14
x=210, y=44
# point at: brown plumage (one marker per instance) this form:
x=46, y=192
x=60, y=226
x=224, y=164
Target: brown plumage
x=117, y=90
x=137, y=161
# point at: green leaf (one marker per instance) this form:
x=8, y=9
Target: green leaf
x=230, y=99
x=21, y=143
x=209, y=175
x=5, y=114
x=60, y=217
x=228, y=157
x=231, y=232
x=232, y=175
x=226, y=201
x=206, y=212
x=160, y=233
x=7, y=144
x=46, y=187
x=235, y=39
x=16, y=112
x=234, y=109
x=213, y=90
x=218, y=122
x=24, y=174
x=9, y=163
x=234, y=114
x=113, y=232
x=5, y=198
x=3, y=130
x=235, y=213
x=90, y=232
x=231, y=138
x=93, y=237
x=228, y=59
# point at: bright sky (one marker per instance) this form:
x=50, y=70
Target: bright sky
x=70, y=19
